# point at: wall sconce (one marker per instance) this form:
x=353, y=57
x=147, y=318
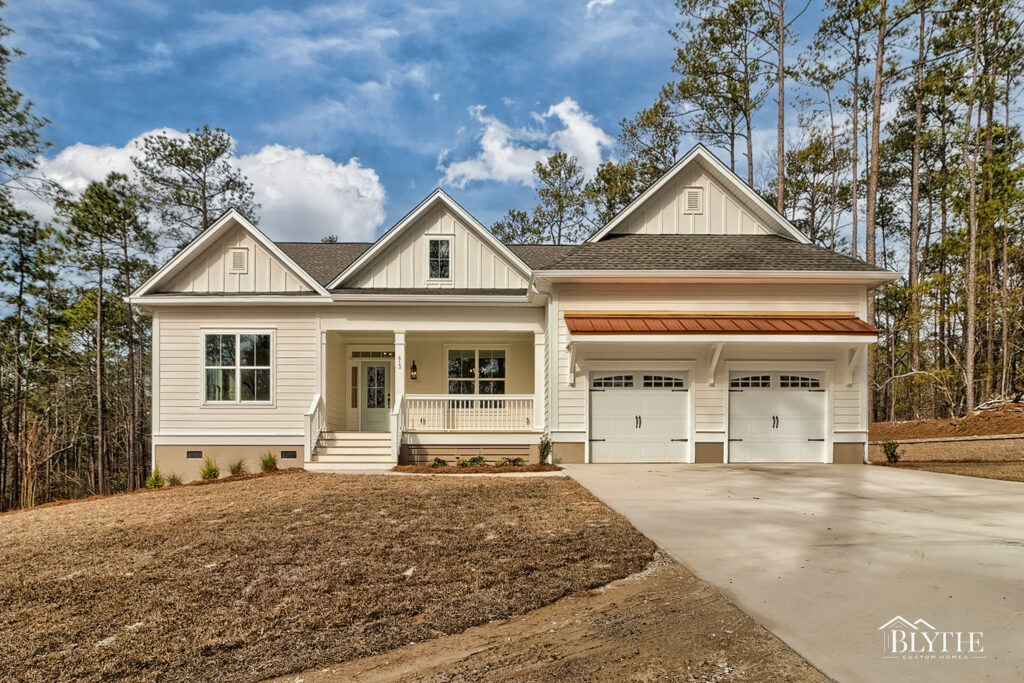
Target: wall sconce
x=412, y=370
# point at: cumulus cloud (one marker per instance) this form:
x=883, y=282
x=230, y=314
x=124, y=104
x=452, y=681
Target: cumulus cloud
x=509, y=154
x=594, y=5
x=303, y=196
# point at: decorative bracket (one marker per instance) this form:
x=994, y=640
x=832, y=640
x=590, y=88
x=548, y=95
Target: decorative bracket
x=855, y=354
x=716, y=352
x=571, y=379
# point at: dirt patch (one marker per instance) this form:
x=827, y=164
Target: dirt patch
x=1010, y=471
x=482, y=469
x=1009, y=420
x=662, y=624
x=265, y=576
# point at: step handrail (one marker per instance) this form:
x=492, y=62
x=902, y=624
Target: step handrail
x=315, y=421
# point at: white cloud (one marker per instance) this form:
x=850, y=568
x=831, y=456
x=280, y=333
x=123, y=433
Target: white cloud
x=593, y=5
x=303, y=196
x=509, y=154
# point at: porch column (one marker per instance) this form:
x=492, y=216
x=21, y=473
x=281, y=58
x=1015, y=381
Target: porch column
x=399, y=366
x=538, y=380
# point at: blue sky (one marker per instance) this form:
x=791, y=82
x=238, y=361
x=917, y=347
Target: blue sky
x=365, y=106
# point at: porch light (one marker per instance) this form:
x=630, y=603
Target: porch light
x=412, y=370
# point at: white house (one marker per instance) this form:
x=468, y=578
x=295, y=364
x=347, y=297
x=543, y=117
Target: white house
x=697, y=326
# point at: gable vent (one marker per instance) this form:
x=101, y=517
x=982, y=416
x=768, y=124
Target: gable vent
x=693, y=200
x=239, y=261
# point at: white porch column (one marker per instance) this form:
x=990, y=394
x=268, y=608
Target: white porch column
x=538, y=380
x=399, y=367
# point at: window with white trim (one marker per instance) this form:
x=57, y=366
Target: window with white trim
x=799, y=382
x=751, y=382
x=439, y=256
x=476, y=371
x=237, y=367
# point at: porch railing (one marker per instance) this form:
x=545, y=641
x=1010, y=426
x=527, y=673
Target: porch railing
x=397, y=426
x=315, y=422
x=468, y=413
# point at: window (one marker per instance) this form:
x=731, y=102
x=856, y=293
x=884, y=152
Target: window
x=194, y=455
x=476, y=371
x=238, y=368
x=751, y=382
x=693, y=200
x=439, y=255
x=239, y=261
x=799, y=382
x=664, y=381
x=612, y=382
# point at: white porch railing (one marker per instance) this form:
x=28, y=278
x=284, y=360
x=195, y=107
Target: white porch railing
x=316, y=421
x=468, y=413
x=397, y=426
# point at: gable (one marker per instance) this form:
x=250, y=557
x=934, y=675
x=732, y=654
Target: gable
x=476, y=262
x=725, y=205
x=718, y=212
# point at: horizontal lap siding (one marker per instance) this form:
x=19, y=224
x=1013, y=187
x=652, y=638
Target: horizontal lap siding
x=181, y=371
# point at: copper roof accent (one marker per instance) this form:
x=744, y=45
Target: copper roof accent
x=638, y=323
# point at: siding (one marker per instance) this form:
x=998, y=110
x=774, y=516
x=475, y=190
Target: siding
x=208, y=272
x=723, y=213
x=180, y=371
x=474, y=264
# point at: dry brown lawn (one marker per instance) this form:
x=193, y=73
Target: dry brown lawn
x=262, y=577
x=476, y=469
x=1012, y=470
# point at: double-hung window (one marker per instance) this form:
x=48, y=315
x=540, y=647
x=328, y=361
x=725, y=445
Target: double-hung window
x=439, y=257
x=476, y=371
x=237, y=367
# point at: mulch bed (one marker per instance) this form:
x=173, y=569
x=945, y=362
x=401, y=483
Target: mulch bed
x=1008, y=470
x=482, y=469
x=265, y=576
x=981, y=423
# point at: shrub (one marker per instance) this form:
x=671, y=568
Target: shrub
x=461, y=463
x=545, y=448
x=209, y=470
x=155, y=480
x=173, y=480
x=237, y=467
x=438, y=462
x=478, y=461
x=268, y=462
x=517, y=462
x=503, y=462
x=892, y=450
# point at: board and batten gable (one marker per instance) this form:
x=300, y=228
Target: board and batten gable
x=210, y=271
x=475, y=264
x=720, y=211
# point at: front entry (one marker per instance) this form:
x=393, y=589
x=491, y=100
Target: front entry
x=375, y=398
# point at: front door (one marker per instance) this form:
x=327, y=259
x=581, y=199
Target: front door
x=375, y=398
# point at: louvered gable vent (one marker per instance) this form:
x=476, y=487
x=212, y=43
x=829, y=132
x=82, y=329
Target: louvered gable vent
x=693, y=200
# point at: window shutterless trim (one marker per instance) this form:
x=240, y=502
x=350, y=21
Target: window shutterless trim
x=238, y=367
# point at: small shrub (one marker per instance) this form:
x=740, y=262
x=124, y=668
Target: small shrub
x=545, y=448
x=268, y=462
x=503, y=462
x=461, y=463
x=209, y=470
x=517, y=462
x=478, y=461
x=438, y=462
x=173, y=480
x=155, y=480
x=237, y=467
x=892, y=450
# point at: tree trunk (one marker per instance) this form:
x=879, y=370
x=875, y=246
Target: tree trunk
x=781, y=77
x=972, y=227
x=914, y=331
x=100, y=441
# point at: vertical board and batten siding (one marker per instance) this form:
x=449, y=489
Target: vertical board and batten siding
x=181, y=383
x=722, y=213
x=209, y=271
x=710, y=402
x=474, y=263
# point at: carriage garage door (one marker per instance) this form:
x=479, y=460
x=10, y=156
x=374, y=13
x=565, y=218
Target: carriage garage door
x=639, y=417
x=776, y=417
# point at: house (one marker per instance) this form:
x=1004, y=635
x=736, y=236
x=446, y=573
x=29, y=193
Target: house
x=698, y=326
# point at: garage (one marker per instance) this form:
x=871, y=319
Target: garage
x=776, y=417
x=639, y=417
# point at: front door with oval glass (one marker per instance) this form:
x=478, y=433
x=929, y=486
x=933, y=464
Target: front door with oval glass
x=375, y=397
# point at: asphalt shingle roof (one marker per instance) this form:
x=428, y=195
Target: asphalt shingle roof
x=323, y=260
x=542, y=256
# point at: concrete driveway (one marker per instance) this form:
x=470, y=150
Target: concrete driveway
x=824, y=555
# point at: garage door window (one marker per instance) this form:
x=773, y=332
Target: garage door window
x=799, y=382
x=663, y=382
x=612, y=382
x=751, y=382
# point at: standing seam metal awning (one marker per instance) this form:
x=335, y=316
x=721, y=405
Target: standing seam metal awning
x=654, y=324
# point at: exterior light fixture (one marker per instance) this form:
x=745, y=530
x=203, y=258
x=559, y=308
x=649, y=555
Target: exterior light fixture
x=412, y=370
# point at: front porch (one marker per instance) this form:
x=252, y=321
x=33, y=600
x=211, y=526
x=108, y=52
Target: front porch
x=413, y=395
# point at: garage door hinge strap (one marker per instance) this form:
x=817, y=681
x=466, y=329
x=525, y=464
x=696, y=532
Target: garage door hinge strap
x=735, y=439
x=597, y=439
x=680, y=390
x=815, y=439
x=678, y=439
